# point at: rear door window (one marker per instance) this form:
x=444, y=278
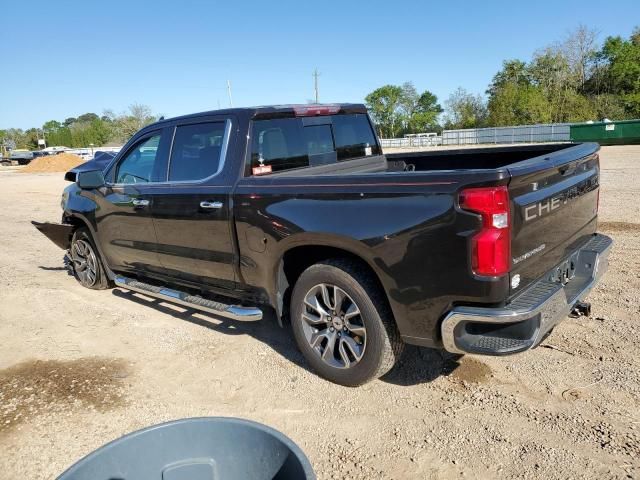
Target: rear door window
x=289, y=143
x=196, y=152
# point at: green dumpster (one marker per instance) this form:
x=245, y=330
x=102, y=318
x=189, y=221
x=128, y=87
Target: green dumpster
x=623, y=132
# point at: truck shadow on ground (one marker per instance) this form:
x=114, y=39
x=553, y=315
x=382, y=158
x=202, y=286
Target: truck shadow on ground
x=65, y=267
x=417, y=365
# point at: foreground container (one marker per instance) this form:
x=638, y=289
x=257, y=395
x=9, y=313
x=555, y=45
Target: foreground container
x=209, y=448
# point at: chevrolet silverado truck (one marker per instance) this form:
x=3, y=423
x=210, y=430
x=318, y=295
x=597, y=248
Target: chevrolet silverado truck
x=296, y=209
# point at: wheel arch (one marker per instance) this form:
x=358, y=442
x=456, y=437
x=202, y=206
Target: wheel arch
x=80, y=221
x=297, y=259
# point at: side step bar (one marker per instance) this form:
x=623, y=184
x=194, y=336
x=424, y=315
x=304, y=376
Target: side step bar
x=234, y=312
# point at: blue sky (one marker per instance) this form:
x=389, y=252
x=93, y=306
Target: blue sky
x=63, y=58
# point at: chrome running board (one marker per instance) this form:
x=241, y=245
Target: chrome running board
x=234, y=312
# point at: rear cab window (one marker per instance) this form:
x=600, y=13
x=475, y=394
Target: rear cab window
x=282, y=144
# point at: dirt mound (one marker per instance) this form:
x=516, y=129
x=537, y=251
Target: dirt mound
x=53, y=163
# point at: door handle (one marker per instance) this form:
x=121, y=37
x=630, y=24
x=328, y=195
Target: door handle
x=211, y=205
x=140, y=202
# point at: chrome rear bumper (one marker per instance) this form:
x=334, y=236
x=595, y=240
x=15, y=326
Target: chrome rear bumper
x=524, y=323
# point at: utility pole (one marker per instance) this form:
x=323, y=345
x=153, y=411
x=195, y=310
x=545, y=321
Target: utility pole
x=316, y=74
x=229, y=90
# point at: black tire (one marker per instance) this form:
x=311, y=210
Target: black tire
x=380, y=346
x=86, y=262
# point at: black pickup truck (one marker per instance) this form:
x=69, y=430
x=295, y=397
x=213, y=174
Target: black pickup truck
x=295, y=207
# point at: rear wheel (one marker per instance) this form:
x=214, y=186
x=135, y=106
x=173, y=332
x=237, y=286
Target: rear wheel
x=86, y=263
x=342, y=323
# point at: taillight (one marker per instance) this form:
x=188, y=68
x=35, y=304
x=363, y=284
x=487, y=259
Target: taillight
x=491, y=246
x=312, y=110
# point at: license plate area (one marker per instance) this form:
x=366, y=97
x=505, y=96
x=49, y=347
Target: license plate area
x=565, y=271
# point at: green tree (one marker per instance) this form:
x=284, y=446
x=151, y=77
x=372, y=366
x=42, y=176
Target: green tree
x=518, y=104
x=425, y=115
x=57, y=134
x=100, y=131
x=580, y=50
x=513, y=72
x=551, y=73
x=622, y=70
x=548, y=89
x=398, y=110
x=465, y=110
x=30, y=139
x=87, y=118
x=607, y=105
x=384, y=106
x=123, y=126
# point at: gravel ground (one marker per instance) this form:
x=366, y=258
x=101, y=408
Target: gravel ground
x=79, y=368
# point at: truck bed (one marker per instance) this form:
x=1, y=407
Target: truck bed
x=474, y=158
x=484, y=158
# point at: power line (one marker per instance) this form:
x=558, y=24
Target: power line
x=229, y=90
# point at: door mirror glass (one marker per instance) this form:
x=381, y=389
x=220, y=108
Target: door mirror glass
x=90, y=180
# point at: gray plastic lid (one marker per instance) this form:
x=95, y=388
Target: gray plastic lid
x=207, y=448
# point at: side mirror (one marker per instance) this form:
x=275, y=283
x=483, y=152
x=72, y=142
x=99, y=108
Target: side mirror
x=90, y=180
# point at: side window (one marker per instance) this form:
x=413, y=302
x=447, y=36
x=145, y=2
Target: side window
x=354, y=136
x=196, y=151
x=138, y=165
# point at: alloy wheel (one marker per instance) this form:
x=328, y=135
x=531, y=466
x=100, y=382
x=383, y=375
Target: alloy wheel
x=85, y=262
x=333, y=326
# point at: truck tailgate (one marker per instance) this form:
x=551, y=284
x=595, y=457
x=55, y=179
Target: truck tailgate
x=554, y=211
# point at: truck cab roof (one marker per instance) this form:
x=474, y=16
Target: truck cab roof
x=273, y=111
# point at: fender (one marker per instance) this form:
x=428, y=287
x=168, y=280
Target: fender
x=79, y=209
x=76, y=203
x=72, y=204
x=278, y=282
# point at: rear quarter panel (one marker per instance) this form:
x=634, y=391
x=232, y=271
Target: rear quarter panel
x=406, y=226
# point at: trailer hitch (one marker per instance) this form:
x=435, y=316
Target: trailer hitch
x=581, y=309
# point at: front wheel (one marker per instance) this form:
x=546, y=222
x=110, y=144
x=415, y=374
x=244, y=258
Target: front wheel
x=342, y=323
x=87, y=266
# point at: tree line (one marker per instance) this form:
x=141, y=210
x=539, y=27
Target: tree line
x=574, y=80
x=83, y=130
